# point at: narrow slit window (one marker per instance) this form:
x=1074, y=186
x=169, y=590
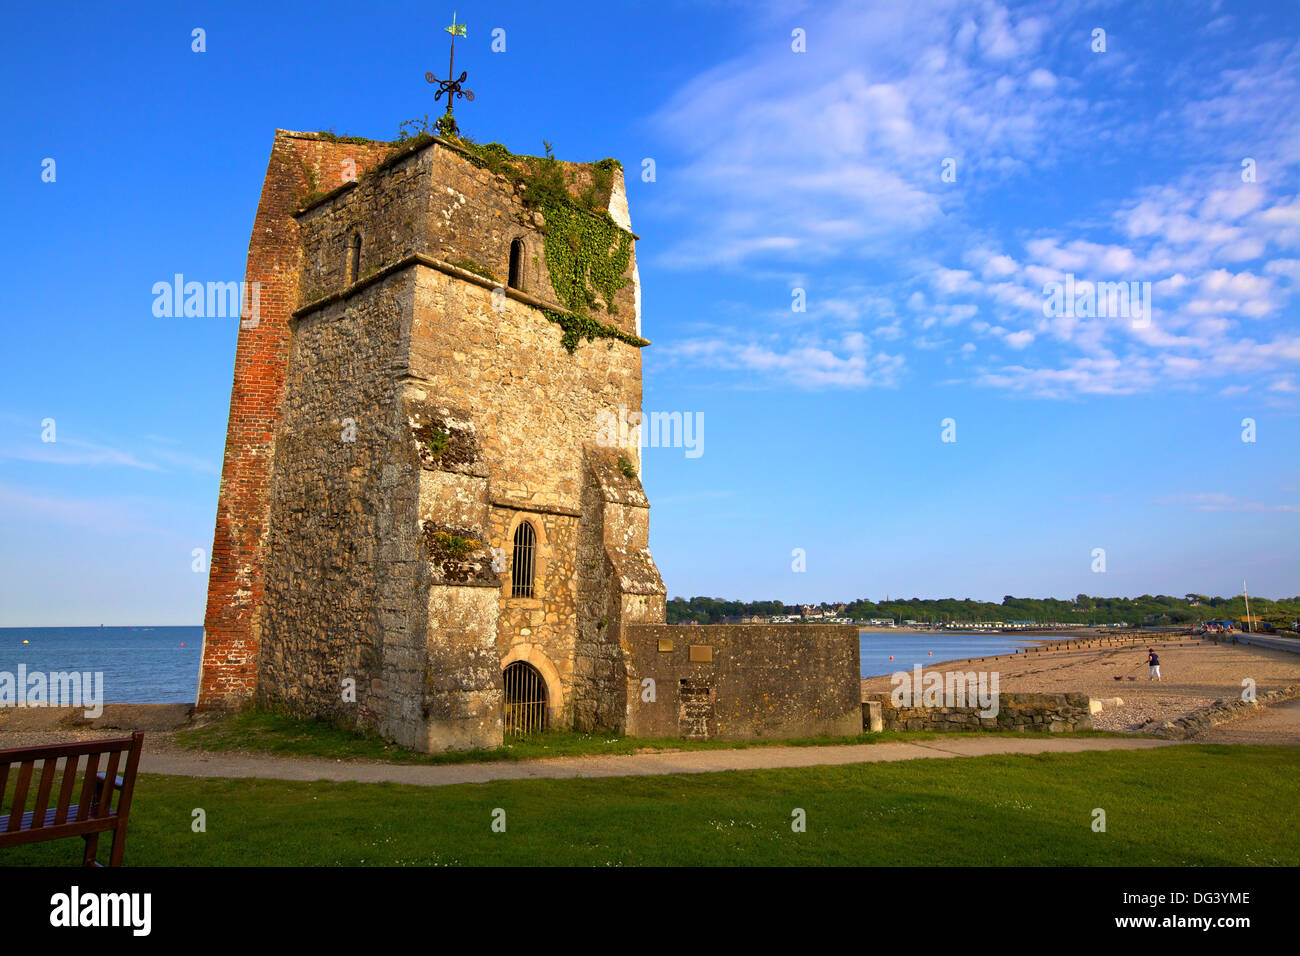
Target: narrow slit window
x=521, y=571
x=354, y=258
x=517, y=264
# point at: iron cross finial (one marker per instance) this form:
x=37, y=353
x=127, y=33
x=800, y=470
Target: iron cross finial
x=453, y=85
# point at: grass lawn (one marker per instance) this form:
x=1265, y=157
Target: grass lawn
x=266, y=732
x=1197, y=805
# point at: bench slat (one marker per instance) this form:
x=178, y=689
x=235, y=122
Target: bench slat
x=127, y=785
x=105, y=793
x=51, y=832
x=79, y=749
x=87, y=788
x=70, y=765
x=30, y=821
x=20, y=794
x=48, y=767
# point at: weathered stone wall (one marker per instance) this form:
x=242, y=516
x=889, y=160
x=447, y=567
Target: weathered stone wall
x=619, y=583
x=459, y=700
x=535, y=404
x=436, y=202
x=1050, y=713
x=763, y=680
x=344, y=559
x=462, y=692
x=367, y=578
x=232, y=622
x=536, y=408
x=549, y=619
x=379, y=567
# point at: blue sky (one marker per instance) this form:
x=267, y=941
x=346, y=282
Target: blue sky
x=775, y=171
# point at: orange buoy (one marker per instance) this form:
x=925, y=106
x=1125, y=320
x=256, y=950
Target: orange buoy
x=182, y=643
x=891, y=657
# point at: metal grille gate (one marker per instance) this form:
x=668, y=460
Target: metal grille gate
x=525, y=703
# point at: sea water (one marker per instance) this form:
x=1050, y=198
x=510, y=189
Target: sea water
x=926, y=649
x=141, y=665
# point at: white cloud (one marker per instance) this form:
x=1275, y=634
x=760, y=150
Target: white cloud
x=811, y=365
x=835, y=159
x=72, y=451
x=815, y=153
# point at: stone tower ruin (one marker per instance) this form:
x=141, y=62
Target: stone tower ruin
x=423, y=528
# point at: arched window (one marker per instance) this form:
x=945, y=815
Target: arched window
x=521, y=570
x=354, y=258
x=525, y=704
x=516, y=280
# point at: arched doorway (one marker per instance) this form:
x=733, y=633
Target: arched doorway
x=525, y=699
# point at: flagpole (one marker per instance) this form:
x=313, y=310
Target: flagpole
x=1249, y=628
x=451, y=63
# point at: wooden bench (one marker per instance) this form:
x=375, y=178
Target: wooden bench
x=93, y=814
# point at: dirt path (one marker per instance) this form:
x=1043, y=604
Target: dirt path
x=632, y=765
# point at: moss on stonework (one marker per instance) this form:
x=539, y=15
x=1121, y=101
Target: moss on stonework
x=330, y=136
x=444, y=445
x=313, y=191
x=457, y=556
x=626, y=467
x=469, y=265
x=311, y=198
x=413, y=129
x=437, y=442
x=454, y=545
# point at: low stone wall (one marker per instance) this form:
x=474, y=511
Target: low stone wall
x=1220, y=712
x=742, y=681
x=1049, y=713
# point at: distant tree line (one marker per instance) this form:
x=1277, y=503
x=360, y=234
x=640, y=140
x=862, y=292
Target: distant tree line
x=1148, y=609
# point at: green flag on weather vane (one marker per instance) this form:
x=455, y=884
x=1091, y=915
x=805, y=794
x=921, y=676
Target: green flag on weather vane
x=456, y=29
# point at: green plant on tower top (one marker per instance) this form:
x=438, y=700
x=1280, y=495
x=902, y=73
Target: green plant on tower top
x=587, y=253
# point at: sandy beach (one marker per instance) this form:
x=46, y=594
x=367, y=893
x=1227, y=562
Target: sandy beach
x=1195, y=673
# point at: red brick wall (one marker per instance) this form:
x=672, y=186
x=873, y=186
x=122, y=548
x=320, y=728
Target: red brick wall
x=232, y=622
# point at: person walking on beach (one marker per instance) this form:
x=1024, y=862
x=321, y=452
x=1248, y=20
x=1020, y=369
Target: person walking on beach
x=1154, y=663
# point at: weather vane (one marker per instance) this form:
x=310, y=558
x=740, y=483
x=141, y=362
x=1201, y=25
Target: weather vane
x=452, y=85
